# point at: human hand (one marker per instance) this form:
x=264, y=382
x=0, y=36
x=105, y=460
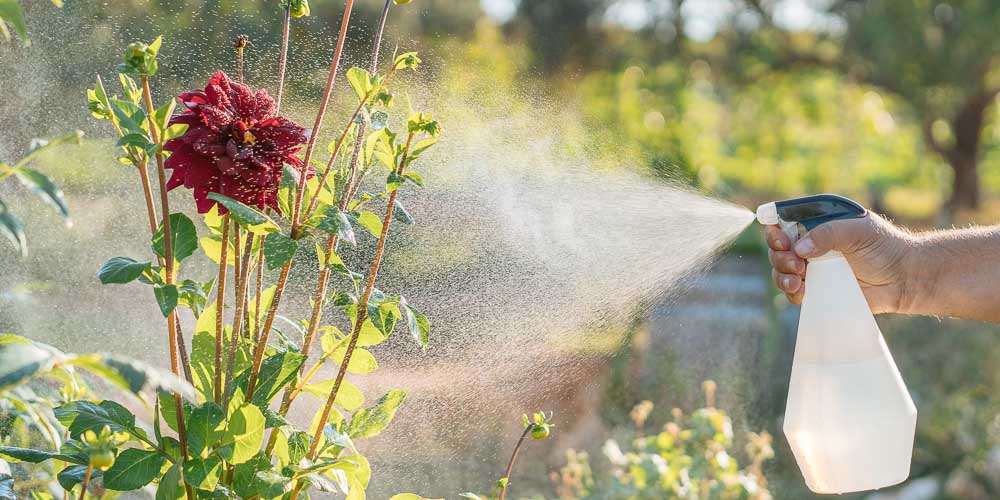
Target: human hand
x=877, y=251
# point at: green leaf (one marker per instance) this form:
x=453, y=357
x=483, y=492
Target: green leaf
x=184, y=239
x=418, y=324
x=407, y=60
x=370, y=335
x=120, y=270
x=133, y=469
x=249, y=217
x=394, y=181
x=166, y=298
x=243, y=475
x=399, y=213
x=30, y=455
x=270, y=484
x=333, y=221
x=204, y=427
x=414, y=178
x=361, y=81
x=174, y=131
x=194, y=294
x=170, y=487
x=132, y=375
x=383, y=315
x=349, y=397
x=12, y=228
x=203, y=473
x=362, y=361
x=242, y=438
x=372, y=421
x=10, y=12
x=130, y=116
x=370, y=222
x=73, y=475
x=212, y=246
x=137, y=140
x=19, y=362
x=279, y=250
x=168, y=409
x=276, y=372
x=42, y=186
x=82, y=416
x=420, y=147
x=162, y=115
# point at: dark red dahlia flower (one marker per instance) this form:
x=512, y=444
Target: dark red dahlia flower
x=234, y=145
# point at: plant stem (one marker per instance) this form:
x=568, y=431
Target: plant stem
x=147, y=193
x=241, y=300
x=240, y=45
x=360, y=320
x=86, y=481
x=141, y=166
x=182, y=351
x=363, y=303
x=259, y=290
x=220, y=301
x=258, y=357
x=317, y=126
x=284, y=55
x=168, y=258
x=331, y=242
x=513, y=457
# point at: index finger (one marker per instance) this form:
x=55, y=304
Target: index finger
x=776, y=238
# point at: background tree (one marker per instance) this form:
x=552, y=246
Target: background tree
x=941, y=58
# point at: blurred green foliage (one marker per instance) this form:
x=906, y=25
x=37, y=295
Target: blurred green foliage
x=692, y=456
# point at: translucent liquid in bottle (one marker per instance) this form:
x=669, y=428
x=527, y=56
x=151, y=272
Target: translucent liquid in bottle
x=849, y=418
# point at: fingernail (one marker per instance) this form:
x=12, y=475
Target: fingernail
x=779, y=245
x=786, y=282
x=805, y=247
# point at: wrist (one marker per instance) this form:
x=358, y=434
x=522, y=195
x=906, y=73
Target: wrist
x=919, y=272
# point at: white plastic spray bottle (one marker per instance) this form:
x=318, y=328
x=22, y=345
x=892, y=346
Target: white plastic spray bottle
x=849, y=418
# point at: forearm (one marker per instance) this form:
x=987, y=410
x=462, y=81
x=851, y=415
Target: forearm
x=954, y=273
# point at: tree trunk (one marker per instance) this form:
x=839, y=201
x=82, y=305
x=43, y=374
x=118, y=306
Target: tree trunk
x=965, y=193
x=964, y=155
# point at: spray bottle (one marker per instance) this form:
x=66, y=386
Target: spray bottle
x=849, y=419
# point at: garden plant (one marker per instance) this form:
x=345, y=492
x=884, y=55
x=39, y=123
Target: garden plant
x=219, y=427
x=691, y=457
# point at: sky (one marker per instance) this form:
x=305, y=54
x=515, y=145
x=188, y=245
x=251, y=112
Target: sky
x=703, y=17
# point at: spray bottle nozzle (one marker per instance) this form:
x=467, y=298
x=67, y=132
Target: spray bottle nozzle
x=810, y=211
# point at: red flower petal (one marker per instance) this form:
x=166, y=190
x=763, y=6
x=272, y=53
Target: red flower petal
x=204, y=204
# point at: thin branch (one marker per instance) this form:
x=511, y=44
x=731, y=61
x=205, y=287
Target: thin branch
x=168, y=257
x=284, y=54
x=258, y=356
x=513, y=457
x=220, y=300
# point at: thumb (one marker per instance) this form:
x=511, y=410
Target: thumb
x=845, y=236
